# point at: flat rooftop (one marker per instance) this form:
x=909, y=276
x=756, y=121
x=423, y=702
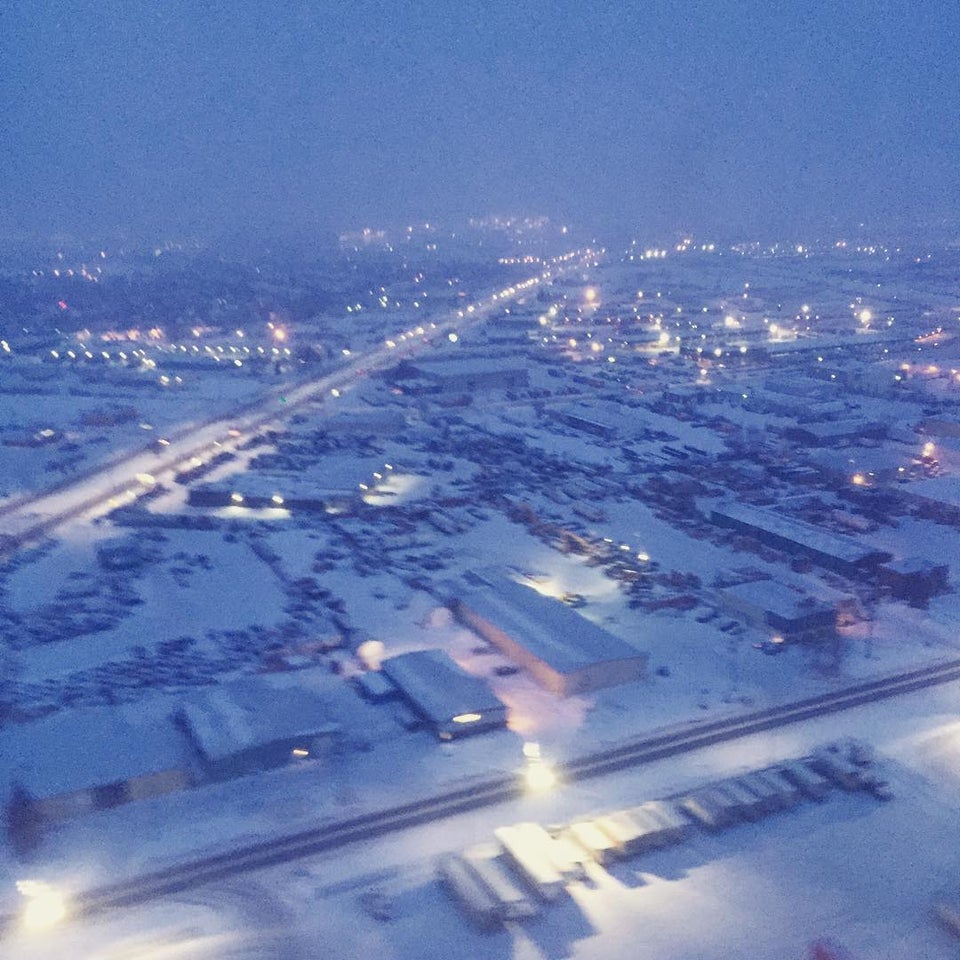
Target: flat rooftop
x=550, y=630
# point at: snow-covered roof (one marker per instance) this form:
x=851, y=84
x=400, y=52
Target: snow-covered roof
x=945, y=490
x=805, y=534
x=553, y=632
x=82, y=749
x=468, y=366
x=251, y=712
x=438, y=688
x=776, y=598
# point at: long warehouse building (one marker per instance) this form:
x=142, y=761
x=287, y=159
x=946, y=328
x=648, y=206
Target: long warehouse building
x=563, y=651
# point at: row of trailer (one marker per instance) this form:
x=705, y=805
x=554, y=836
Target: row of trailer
x=528, y=866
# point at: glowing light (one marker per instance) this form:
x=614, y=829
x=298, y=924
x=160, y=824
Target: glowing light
x=590, y=294
x=467, y=718
x=277, y=499
x=45, y=906
x=858, y=480
x=865, y=316
x=929, y=449
x=236, y=497
x=452, y=337
x=147, y=479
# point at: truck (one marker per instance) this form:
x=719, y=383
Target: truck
x=810, y=783
x=592, y=838
x=526, y=850
x=486, y=862
x=471, y=895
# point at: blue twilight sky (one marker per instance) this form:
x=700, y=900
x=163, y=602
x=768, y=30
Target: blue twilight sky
x=725, y=115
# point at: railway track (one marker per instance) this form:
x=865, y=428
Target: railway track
x=640, y=750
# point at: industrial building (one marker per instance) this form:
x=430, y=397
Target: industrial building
x=80, y=761
x=562, y=651
x=334, y=485
x=937, y=498
x=833, y=551
x=468, y=374
x=254, y=724
x=915, y=579
x=449, y=700
x=767, y=604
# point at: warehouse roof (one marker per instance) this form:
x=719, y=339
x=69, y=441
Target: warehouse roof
x=812, y=538
x=438, y=688
x=778, y=599
x=81, y=749
x=251, y=712
x=551, y=631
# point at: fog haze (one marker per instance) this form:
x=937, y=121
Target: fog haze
x=126, y=115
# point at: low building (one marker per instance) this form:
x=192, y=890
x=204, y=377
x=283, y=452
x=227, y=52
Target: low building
x=470, y=374
x=915, y=579
x=254, y=724
x=936, y=497
x=79, y=761
x=452, y=702
x=835, y=433
x=563, y=651
x=830, y=550
x=768, y=605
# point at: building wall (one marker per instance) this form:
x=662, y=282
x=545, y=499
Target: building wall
x=542, y=672
x=65, y=805
x=157, y=784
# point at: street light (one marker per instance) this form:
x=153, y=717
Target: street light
x=45, y=907
x=538, y=773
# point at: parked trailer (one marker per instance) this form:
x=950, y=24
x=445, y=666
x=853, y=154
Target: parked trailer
x=748, y=804
x=654, y=831
x=789, y=792
x=473, y=897
x=527, y=852
x=766, y=792
x=810, y=783
x=676, y=826
x=842, y=772
x=709, y=809
x=629, y=836
x=490, y=868
x=588, y=835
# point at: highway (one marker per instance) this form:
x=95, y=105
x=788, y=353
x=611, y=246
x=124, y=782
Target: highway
x=493, y=790
x=135, y=473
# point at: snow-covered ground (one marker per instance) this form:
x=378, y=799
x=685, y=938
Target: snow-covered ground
x=860, y=872
x=493, y=480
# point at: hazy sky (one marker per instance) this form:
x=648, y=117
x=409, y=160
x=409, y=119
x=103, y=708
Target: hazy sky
x=727, y=115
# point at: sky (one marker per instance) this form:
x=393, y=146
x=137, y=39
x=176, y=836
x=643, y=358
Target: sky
x=732, y=117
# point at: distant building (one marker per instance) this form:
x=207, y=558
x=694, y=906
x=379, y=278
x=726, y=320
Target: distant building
x=915, y=579
x=452, y=702
x=833, y=551
x=832, y=433
x=766, y=604
x=79, y=761
x=937, y=498
x=563, y=651
x=254, y=724
x=471, y=374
